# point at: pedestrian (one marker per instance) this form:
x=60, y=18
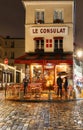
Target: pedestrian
x=65, y=85
x=59, y=84
x=25, y=84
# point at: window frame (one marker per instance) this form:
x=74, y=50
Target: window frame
x=12, y=44
x=39, y=19
x=59, y=18
x=12, y=55
x=39, y=44
x=58, y=46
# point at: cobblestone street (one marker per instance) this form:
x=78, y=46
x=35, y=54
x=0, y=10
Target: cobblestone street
x=41, y=116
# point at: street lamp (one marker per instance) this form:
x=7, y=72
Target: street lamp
x=79, y=53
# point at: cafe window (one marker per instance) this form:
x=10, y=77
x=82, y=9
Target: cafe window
x=58, y=16
x=39, y=44
x=36, y=72
x=12, y=44
x=58, y=44
x=39, y=16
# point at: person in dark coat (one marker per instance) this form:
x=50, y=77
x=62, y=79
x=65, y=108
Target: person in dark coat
x=25, y=83
x=59, y=83
x=65, y=85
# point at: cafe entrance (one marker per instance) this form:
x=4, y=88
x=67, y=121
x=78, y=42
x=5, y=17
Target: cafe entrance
x=49, y=76
x=42, y=84
x=43, y=74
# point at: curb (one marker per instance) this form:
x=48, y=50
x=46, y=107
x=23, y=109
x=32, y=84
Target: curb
x=50, y=101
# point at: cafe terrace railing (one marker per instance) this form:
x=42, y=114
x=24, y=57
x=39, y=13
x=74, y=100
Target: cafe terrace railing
x=34, y=92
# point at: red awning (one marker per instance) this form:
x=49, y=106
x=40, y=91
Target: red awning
x=19, y=61
x=43, y=59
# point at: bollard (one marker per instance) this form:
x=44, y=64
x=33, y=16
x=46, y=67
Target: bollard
x=81, y=93
x=21, y=94
x=74, y=94
x=50, y=95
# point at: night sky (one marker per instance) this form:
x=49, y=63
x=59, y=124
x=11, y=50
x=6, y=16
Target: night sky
x=12, y=19
x=79, y=23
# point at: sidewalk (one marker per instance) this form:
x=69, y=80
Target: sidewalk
x=2, y=95
x=35, y=99
x=40, y=116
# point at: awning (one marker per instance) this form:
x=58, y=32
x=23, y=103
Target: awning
x=44, y=58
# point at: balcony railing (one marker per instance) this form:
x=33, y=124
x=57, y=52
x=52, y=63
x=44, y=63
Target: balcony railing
x=58, y=21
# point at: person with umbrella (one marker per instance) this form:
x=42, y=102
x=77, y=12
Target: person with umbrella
x=59, y=84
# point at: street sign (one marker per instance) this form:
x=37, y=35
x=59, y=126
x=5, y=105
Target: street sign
x=6, y=61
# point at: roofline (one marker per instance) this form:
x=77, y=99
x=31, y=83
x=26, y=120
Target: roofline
x=43, y=2
x=48, y=0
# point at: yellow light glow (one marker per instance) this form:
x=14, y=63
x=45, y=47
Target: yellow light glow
x=79, y=53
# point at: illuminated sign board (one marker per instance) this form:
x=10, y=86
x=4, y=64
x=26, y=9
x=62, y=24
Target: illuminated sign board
x=49, y=30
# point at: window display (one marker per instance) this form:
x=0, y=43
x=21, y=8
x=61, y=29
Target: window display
x=36, y=71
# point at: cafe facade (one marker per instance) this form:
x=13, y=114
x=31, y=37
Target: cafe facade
x=49, y=40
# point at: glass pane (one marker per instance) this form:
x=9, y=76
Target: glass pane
x=55, y=15
x=39, y=17
x=58, y=16
x=36, y=73
x=61, y=43
x=42, y=15
x=56, y=44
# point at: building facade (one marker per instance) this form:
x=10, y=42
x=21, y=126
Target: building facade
x=48, y=40
x=13, y=48
x=10, y=48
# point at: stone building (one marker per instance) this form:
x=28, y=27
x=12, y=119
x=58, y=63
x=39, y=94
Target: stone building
x=49, y=40
x=11, y=48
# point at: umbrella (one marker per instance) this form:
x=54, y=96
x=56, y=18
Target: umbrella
x=62, y=73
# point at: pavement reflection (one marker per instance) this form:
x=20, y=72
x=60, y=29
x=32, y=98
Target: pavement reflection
x=40, y=116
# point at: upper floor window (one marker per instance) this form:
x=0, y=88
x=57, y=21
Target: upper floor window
x=0, y=53
x=5, y=53
x=12, y=44
x=58, y=44
x=39, y=44
x=12, y=55
x=39, y=16
x=5, y=43
x=58, y=16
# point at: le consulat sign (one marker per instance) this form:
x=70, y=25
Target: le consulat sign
x=49, y=30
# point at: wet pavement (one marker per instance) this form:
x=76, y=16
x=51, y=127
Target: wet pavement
x=40, y=116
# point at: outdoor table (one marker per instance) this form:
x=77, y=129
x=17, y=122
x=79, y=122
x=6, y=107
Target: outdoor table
x=36, y=88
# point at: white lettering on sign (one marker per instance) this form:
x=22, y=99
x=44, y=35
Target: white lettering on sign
x=49, y=30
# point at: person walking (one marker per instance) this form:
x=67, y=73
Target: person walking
x=25, y=84
x=65, y=85
x=59, y=84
